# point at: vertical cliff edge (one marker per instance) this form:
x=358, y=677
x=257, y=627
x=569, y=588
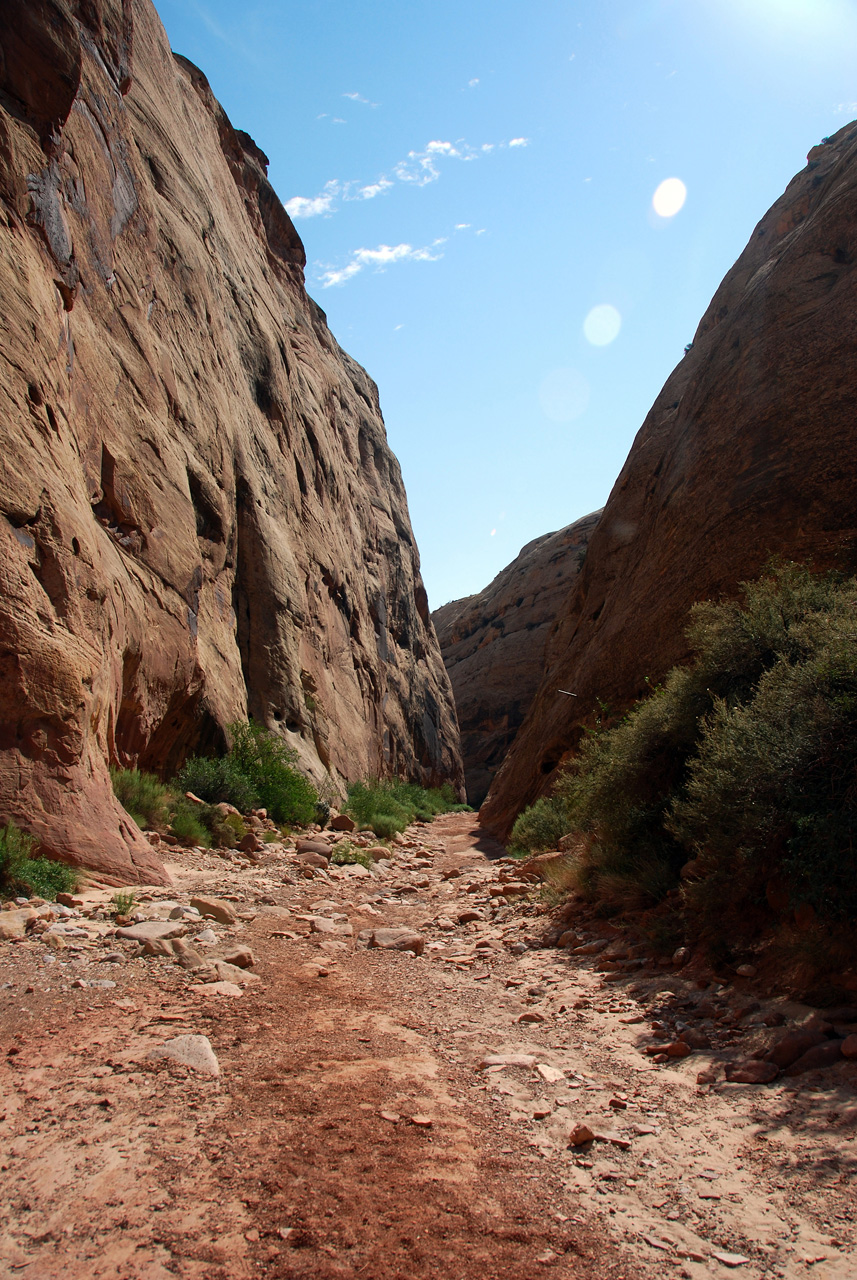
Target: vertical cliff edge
x=201, y=517
x=749, y=451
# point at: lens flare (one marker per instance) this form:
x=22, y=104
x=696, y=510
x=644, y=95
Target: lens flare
x=669, y=197
x=602, y=325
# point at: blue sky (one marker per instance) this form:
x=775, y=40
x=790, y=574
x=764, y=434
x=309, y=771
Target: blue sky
x=474, y=185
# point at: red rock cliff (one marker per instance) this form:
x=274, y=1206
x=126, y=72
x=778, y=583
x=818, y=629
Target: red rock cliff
x=201, y=517
x=750, y=450
x=493, y=645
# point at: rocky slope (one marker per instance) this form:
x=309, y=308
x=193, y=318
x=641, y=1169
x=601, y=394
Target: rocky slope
x=201, y=517
x=749, y=451
x=493, y=645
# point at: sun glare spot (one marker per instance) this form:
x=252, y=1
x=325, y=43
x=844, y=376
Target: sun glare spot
x=602, y=325
x=669, y=197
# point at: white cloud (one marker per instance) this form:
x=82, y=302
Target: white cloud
x=358, y=97
x=372, y=190
x=418, y=169
x=384, y=256
x=845, y=108
x=462, y=226
x=312, y=206
x=471, y=84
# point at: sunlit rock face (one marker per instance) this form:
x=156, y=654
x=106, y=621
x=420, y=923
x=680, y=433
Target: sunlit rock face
x=749, y=451
x=201, y=518
x=493, y=645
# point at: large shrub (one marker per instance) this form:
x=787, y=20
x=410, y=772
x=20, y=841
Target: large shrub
x=268, y=763
x=745, y=760
x=21, y=873
x=217, y=780
x=146, y=799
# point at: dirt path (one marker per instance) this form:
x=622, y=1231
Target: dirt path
x=355, y=1130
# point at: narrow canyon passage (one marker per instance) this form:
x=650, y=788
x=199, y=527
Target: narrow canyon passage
x=380, y=1113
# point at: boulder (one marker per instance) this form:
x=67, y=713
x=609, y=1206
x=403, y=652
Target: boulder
x=398, y=939
x=153, y=930
x=820, y=1056
x=792, y=1045
x=191, y=1051
x=216, y=908
x=342, y=822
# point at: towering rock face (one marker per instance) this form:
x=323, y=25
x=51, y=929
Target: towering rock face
x=201, y=517
x=749, y=451
x=493, y=645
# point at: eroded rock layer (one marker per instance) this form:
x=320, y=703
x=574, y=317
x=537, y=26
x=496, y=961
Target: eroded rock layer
x=493, y=645
x=201, y=517
x=749, y=451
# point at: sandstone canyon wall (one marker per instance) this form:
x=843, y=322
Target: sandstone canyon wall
x=201, y=517
x=493, y=645
x=749, y=451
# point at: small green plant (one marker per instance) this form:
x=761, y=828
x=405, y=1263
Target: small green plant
x=21, y=873
x=144, y=797
x=346, y=854
x=123, y=903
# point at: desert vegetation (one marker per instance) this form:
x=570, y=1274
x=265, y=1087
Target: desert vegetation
x=390, y=805
x=21, y=873
x=731, y=789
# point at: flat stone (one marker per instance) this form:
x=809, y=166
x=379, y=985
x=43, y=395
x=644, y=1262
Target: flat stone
x=398, y=940
x=216, y=989
x=751, y=1072
x=551, y=1075
x=151, y=929
x=730, y=1259
x=508, y=1060
x=310, y=859
x=221, y=911
x=322, y=924
x=191, y=1051
x=314, y=846
x=13, y=924
x=158, y=947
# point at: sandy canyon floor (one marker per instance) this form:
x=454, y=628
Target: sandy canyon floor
x=357, y=1126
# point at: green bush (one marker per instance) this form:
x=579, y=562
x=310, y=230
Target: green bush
x=22, y=874
x=186, y=824
x=218, y=781
x=389, y=805
x=144, y=797
x=539, y=827
x=744, y=760
x=269, y=764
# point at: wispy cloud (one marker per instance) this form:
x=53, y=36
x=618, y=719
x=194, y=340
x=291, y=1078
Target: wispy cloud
x=358, y=97
x=471, y=84
x=845, y=108
x=417, y=169
x=384, y=256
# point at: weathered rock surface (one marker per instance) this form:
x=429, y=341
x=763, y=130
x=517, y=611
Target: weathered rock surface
x=200, y=516
x=748, y=451
x=493, y=645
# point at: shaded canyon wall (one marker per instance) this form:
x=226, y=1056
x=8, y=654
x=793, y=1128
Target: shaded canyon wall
x=493, y=645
